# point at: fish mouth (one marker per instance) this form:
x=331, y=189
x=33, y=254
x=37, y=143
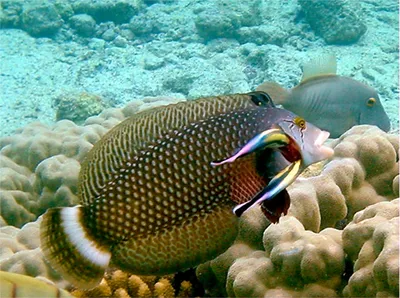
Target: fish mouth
x=292, y=151
x=322, y=137
x=322, y=151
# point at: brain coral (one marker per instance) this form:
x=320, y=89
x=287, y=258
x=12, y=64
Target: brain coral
x=295, y=261
x=20, y=253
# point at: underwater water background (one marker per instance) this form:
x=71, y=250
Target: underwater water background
x=119, y=51
x=73, y=59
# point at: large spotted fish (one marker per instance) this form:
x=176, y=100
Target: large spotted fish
x=157, y=191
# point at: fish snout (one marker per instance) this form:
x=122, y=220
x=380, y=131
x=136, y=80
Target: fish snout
x=384, y=125
x=321, y=151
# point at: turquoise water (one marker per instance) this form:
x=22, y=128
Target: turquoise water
x=73, y=59
x=186, y=49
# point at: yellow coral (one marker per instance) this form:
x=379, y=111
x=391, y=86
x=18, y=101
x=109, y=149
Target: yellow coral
x=117, y=279
x=163, y=289
x=121, y=293
x=134, y=283
x=186, y=289
x=144, y=291
x=150, y=280
x=123, y=285
x=102, y=290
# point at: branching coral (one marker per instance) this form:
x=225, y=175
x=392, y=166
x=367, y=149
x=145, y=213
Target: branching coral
x=121, y=284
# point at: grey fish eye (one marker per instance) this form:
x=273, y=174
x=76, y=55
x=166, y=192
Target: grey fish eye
x=371, y=101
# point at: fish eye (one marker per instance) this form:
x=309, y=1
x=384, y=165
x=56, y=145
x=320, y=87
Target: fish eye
x=300, y=122
x=371, y=101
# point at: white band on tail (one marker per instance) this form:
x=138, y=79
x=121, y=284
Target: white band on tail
x=78, y=237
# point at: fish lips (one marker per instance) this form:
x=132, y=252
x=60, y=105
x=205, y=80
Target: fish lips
x=307, y=145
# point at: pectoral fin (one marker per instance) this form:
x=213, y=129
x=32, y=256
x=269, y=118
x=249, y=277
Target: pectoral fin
x=282, y=180
x=274, y=208
x=271, y=138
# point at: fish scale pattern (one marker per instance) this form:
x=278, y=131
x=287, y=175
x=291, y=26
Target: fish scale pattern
x=162, y=185
x=126, y=140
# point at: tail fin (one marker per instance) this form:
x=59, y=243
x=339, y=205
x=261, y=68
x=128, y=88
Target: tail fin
x=70, y=249
x=278, y=94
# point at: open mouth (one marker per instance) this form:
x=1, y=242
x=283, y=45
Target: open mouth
x=322, y=137
x=291, y=152
x=323, y=150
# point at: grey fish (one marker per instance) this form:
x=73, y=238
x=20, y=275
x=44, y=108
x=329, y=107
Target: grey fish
x=157, y=191
x=331, y=102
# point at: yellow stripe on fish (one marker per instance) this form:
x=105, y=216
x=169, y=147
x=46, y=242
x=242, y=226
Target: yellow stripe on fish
x=152, y=203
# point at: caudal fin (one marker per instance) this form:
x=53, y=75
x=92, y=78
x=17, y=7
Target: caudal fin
x=70, y=249
x=278, y=94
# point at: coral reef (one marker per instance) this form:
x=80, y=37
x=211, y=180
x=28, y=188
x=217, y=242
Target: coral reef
x=119, y=12
x=20, y=253
x=371, y=241
x=10, y=13
x=39, y=166
x=303, y=255
x=361, y=173
x=41, y=19
x=124, y=285
x=224, y=18
x=84, y=24
x=335, y=20
x=78, y=107
x=18, y=285
x=294, y=258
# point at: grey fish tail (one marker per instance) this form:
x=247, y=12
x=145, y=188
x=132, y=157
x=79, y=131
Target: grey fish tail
x=70, y=249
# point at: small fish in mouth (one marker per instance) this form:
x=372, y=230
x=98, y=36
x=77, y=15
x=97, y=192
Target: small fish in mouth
x=157, y=191
x=300, y=143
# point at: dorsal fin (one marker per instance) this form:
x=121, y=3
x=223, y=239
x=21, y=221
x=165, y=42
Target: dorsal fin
x=322, y=65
